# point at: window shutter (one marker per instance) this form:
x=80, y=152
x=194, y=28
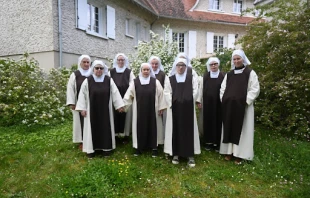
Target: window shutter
x=231, y=41
x=225, y=41
x=110, y=22
x=210, y=36
x=82, y=18
x=192, y=40
x=168, y=35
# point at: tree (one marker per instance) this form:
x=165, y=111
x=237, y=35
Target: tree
x=279, y=51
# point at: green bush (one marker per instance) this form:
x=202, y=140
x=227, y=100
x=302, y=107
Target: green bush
x=164, y=49
x=157, y=46
x=279, y=51
x=30, y=96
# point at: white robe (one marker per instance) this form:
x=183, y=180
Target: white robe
x=128, y=119
x=83, y=105
x=200, y=100
x=245, y=148
x=169, y=125
x=71, y=100
x=130, y=99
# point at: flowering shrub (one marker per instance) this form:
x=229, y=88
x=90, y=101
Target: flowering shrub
x=157, y=46
x=279, y=52
x=30, y=96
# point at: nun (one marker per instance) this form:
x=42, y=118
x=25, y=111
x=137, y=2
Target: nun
x=145, y=94
x=98, y=94
x=210, y=104
x=73, y=89
x=238, y=92
x=181, y=92
x=190, y=69
x=159, y=72
x=122, y=76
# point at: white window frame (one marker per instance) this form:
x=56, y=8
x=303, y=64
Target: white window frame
x=220, y=43
x=138, y=33
x=129, y=27
x=238, y=6
x=86, y=18
x=215, y=5
x=179, y=37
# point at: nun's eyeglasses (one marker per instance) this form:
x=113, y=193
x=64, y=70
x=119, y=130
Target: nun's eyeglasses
x=213, y=64
x=120, y=59
x=181, y=65
x=99, y=68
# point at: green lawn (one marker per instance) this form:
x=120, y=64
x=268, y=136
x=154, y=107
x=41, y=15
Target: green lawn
x=43, y=162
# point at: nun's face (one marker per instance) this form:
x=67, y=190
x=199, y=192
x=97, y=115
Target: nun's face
x=214, y=66
x=98, y=70
x=154, y=64
x=85, y=63
x=120, y=61
x=238, y=61
x=145, y=71
x=181, y=67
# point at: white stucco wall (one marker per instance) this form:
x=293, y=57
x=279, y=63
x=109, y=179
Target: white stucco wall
x=76, y=41
x=26, y=26
x=33, y=28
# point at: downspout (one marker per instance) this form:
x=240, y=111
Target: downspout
x=59, y=33
x=154, y=22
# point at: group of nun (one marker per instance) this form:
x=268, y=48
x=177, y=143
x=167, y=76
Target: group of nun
x=160, y=109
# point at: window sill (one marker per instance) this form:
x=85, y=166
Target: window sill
x=127, y=35
x=96, y=34
x=236, y=13
x=213, y=10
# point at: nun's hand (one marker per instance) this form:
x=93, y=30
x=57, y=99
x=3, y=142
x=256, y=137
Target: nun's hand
x=120, y=110
x=83, y=113
x=72, y=107
x=160, y=112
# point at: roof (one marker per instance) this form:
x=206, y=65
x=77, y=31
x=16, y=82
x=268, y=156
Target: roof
x=180, y=9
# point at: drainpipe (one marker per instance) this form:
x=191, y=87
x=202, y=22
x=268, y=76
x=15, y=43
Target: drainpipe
x=60, y=33
x=154, y=22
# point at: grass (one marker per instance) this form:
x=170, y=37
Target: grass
x=43, y=162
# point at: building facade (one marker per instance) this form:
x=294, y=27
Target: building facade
x=57, y=32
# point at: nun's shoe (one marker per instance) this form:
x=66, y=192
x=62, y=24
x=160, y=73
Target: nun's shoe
x=154, y=153
x=191, y=163
x=208, y=147
x=81, y=146
x=137, y=153
x=90, y=155
x=175, y=160
x=238, y=161
x=106, y=153
x=228, y=157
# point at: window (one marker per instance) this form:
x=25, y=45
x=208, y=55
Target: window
x=129, y=28
x=144, y=34
x=94, y=18
x=218, y=43
x=138, y=33
x=98, y=20
x=238, y=6
x=179, y=38
x=214, y=4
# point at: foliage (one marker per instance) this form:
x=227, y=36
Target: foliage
x=279, y=51
x=42, y=161
x=225, y=59
x=30, y=96
x=157, y=46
